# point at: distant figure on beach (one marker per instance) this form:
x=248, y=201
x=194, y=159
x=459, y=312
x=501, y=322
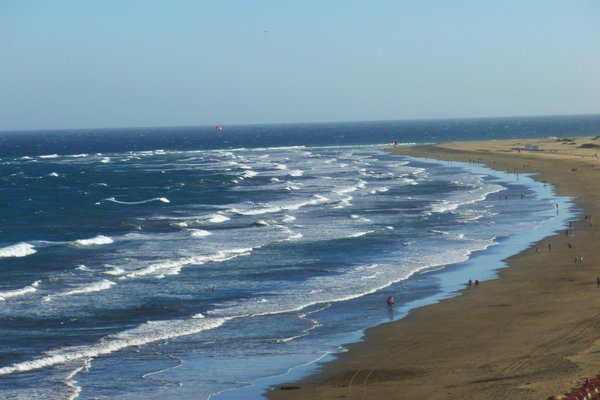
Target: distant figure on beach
x=570, y=245
x=390, y=301
x=598, y=281
x=537, y=249
x=394, y=143
x=476, y=282
x=549, y=246
x=470, y=283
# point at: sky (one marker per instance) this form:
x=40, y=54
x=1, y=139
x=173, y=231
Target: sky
x=127, y=63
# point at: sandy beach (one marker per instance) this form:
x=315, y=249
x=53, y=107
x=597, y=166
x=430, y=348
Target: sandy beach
x=531, y=334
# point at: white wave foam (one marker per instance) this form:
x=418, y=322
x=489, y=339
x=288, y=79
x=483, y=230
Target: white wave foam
x=7, y=294
x=199, y=233
x=345, y=190
x=359, y=234
x=173, y=267
x=288, y=218
x=296, y=172
x=472, y=196
x=94, y=287
x=281, y=167
x=115, y=271
x=217, y=218
x=17, y=250
x=95, y=241
x=162, y=199
x=249, y=174
x=49, y=156
x=53, y=174
x=380, y=190
x=152, y=331
x=267, y=209
x=105, y=160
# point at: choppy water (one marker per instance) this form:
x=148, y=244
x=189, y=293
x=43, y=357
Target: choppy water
x=189, y=271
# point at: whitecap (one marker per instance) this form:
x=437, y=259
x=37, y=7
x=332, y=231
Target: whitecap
x=146, y=333
x=359, y=234
x=380, y=190
x=296, y=172
x=7, y=294
x=198, y=233
x=161, y=199
x=115, y=271
x=90, y=288
x=173, y=267
x=53, y=174
x=49, y=156
x=17, y=250
x=95, y=241
x=217, y=218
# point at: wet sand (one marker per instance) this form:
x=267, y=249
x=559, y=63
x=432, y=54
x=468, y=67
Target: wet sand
x=531, y=334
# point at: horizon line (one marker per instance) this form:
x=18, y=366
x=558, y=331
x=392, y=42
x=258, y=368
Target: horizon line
x=298, y=123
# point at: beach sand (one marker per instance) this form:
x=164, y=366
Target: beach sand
x=531, y=334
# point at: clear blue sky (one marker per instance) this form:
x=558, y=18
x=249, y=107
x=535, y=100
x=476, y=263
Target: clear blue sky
x=122, y=63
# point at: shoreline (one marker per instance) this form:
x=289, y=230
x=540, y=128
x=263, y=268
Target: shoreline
x=528, y=334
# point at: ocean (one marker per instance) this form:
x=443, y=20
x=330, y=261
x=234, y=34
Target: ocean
x=198, y=263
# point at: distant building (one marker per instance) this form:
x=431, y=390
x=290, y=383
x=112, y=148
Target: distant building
x=532, y=147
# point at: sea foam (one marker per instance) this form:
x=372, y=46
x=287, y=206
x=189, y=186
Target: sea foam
x=90, y=288
x=161, y=199
x=17, y=250
x=7, y=294
x=149, y=332
x=95, y=241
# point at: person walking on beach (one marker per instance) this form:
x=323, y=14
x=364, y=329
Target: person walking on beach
x=470, y=283
x=598, y=281
x=476, y=282
x=550, y=247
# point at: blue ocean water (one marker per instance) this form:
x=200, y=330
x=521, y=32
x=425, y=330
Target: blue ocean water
x=194, y=263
